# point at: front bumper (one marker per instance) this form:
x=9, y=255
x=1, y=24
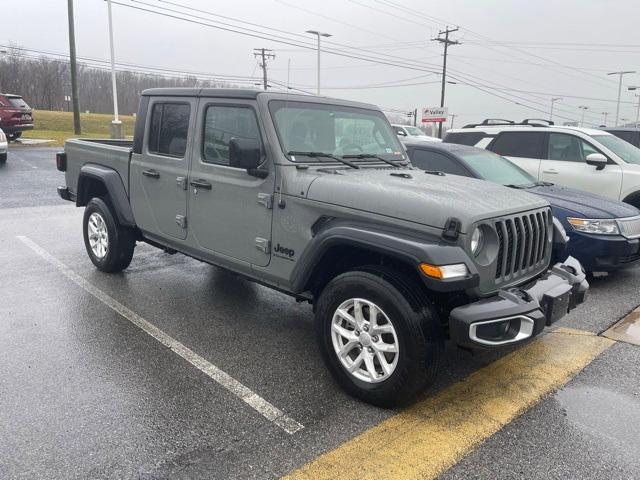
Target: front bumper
x=517, y=314
x=604, y=253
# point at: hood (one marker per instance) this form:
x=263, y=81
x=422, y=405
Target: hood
x=420, y=197
x=584, y=204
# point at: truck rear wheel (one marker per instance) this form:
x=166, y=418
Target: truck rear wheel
x=378, y=336
x=109, y=244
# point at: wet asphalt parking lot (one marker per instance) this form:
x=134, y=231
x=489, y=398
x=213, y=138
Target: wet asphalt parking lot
x=87, y=393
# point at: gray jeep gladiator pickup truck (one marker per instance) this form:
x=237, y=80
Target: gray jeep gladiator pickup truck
x=315, y=197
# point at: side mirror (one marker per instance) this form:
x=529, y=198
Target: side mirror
x=401, y=133
x=245, y=153
x=597, y=160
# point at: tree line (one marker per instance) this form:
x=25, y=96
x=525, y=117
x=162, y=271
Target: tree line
x=44, y=82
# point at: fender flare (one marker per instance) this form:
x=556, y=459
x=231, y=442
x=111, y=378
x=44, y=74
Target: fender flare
x=114, y=186
x=391, y=242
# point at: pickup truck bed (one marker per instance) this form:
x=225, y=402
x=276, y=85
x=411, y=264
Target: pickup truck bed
x=110, y=153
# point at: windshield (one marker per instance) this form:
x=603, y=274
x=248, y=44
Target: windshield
x=622, y=148
x=495, y=168
x=332, y=129
x=415, y=131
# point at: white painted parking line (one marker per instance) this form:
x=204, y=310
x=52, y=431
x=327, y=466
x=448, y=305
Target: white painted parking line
x=251, y=398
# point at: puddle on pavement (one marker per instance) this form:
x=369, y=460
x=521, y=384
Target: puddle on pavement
x=611, y=417
x=627, y=329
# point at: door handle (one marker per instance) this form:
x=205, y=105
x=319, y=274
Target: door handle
x=550, y=171
x=200, y=184
x=151, y=173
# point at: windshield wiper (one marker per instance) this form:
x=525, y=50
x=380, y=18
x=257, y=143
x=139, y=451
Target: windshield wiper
x=377, y=157
x=544, y=184
x=324, y=155
x=522, y=186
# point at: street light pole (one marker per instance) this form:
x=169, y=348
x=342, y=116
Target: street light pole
x=553, y=100
x=73, y=70
x=621, y=73
x=116, y=124
x=318, y=34
x=583, y=108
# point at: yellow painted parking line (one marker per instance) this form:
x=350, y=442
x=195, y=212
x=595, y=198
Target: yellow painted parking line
x=431, y=436
x=626, y=330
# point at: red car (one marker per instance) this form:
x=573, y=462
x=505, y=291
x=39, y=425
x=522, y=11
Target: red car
x=16, y=115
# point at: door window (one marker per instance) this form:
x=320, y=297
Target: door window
x=437, y=162
x=169, y=128
x=568, y=148
x=518, y=144
x=221, y=124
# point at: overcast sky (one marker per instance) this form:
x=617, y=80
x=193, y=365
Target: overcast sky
x=554, y=48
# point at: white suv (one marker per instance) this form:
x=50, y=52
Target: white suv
x=582, y=158
x=409, y=132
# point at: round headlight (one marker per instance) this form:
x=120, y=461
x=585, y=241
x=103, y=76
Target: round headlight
x=476, y=241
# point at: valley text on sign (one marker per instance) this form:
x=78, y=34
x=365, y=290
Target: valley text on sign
x=434, y=114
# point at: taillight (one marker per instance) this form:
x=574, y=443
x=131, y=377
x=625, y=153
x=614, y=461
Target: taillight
x=61, y=161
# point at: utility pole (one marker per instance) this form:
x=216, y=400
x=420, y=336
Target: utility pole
x=74, y=71
x=619, y=91
x=453, y=116
x=553, y=100
x=318, y=34
x=605, y=118
x=584, y=108
x=446, y=42
x=264, y=54
x=415, y=117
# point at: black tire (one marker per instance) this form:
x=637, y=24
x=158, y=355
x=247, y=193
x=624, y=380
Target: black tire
x=3, y=158
x=17, y=135
x=417, y=327
x=120, y=240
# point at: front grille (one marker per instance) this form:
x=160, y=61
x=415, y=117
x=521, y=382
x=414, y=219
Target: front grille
x=630, y=227
x=523, y=244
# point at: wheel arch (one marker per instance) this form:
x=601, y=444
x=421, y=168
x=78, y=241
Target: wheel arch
x=99, y=181
x=343, y=246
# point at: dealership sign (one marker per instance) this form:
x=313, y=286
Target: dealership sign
x=434, y=114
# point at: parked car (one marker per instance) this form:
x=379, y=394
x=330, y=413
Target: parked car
x=604, y=233
x=315, y=197
x=631, y=135
x=16, y=115
x=408, y=132
x=4, y=147
x=583, y=158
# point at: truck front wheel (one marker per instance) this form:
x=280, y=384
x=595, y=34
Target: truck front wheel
x=378, y=336
x=109, y=244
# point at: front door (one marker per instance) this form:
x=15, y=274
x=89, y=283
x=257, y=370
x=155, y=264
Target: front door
x=565, y=164
x=158, y=176
x=229, y=210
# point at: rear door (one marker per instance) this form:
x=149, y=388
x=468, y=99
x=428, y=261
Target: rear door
x=230, y=211
x=525, y=149
x=158, y=176
x=565, y=164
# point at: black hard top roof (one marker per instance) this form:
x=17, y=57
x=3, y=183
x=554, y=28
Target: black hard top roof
x=250, y=94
